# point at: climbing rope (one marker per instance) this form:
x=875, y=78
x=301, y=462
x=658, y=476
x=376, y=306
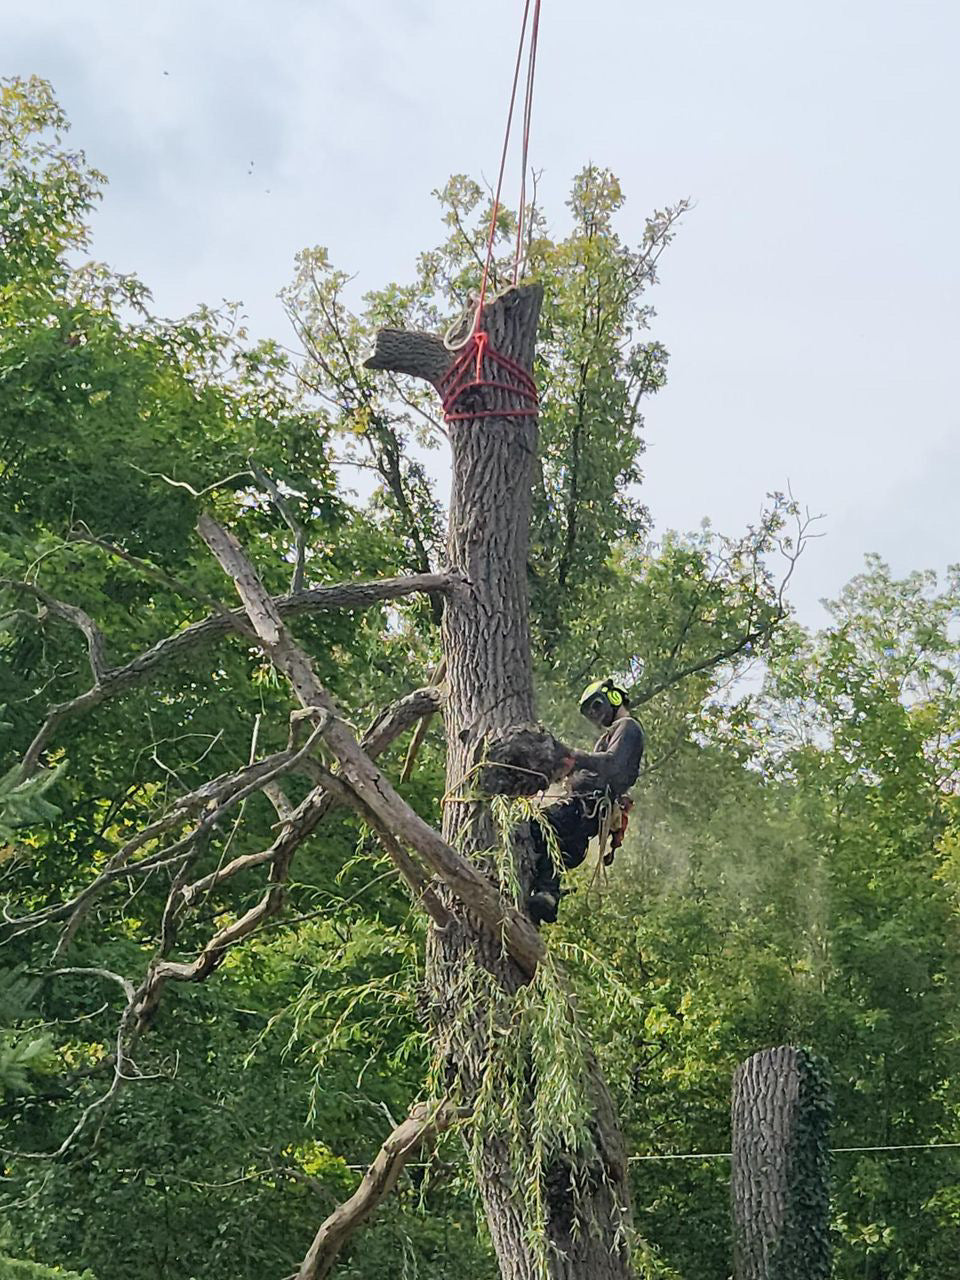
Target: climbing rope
x=478, y=363
x=527, y=115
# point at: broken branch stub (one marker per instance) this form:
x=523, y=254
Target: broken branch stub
x=420, y=355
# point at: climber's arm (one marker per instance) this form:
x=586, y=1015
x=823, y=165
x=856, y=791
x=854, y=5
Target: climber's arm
x=621, y=758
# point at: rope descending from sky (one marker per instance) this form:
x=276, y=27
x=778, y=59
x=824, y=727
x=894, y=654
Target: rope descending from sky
x=478, y=363
x=527, y=115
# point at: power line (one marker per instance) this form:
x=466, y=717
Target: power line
x=725, y=1155
x=835, y=1151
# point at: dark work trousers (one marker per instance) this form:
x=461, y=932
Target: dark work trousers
x=576, y=821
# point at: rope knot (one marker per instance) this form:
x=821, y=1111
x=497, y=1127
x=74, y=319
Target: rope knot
x=479, y=364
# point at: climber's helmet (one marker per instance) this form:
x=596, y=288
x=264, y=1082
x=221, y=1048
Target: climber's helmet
x=601, y=701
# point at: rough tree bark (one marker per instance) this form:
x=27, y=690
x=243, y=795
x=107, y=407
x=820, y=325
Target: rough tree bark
x=486, y=644
x=779, y=1177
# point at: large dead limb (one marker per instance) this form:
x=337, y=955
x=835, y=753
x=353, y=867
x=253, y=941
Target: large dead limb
x=419, y=885
x=281, y=853
x=142, y=1000
x=300, y=823
x=295, y=828
x=213, y=800
x=109, y=681
x=421, y=1126
x=373, y=791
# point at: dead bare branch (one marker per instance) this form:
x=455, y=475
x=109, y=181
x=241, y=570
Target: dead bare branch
x=424, y=1123
x=755, y=634
x=76, y=617
x=296, y=828
x=299, y=534
x=121, y=1063
x=303, y=820
x=371, y=788
x=216, y=797
x=347, y=595
x=421, y=730
x=422, y=892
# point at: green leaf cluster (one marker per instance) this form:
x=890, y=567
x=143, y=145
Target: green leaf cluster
x=17, y=1269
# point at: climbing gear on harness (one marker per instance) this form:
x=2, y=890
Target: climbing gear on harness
x=618, y=828
x=611, y=818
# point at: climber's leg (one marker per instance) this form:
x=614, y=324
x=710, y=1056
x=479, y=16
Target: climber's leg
x=574, y=824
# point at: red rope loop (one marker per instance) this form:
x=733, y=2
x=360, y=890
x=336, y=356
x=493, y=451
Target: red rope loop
x=479, y=364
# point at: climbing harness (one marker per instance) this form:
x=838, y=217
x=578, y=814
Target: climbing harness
x=478, y=364
x=611, y=815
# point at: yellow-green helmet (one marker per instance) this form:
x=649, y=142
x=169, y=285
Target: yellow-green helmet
x=605, y=689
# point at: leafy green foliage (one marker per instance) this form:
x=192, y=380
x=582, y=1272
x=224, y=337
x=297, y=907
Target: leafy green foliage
x=22, y=801
x=14, y=1269
x=594, y=368
x=23, y=1052
x=111, y=420
x=805, y=899
x=47, y=191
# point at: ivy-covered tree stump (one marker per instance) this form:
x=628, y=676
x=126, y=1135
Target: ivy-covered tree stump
x=780, y=1174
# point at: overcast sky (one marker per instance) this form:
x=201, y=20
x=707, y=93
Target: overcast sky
x=810, y=301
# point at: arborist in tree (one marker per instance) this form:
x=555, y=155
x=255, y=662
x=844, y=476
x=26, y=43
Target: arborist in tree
x=598, y=803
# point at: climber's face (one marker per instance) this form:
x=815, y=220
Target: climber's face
x=599, y=711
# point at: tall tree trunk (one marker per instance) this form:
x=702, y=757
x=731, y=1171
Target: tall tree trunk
x=779, y=1178
x=578, y=1228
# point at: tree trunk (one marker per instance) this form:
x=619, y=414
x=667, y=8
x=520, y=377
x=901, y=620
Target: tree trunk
x=576, y=1226
x=779, y=1178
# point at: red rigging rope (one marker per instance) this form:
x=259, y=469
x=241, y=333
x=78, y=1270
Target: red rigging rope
x=478, y=363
